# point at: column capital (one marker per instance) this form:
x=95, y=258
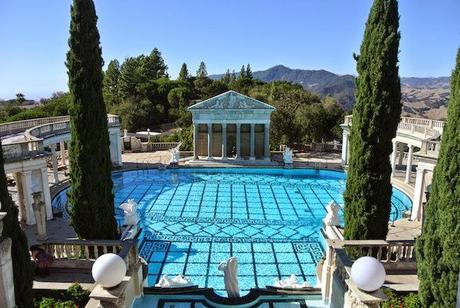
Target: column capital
x=27, y=173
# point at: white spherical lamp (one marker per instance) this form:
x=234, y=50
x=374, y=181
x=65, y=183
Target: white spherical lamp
x=368, y=274
x=109, y=270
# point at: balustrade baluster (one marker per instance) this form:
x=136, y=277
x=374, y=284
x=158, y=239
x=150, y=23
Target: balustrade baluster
x=96, y=251
x=86, y=252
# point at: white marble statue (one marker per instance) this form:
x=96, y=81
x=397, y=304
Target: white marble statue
x=230, y=269
x=39, y=209
x=130, y=210
x=287, y=155
x=332, y=216
x=175, y=155
x=179, y=281
x=290, y=283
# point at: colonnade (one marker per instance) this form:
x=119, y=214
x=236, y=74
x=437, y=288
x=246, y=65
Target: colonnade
x=238, y=142
x=54, y=159
x=27, y=183
x=397, y=155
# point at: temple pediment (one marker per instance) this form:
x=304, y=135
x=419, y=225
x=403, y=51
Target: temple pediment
x=230, y=100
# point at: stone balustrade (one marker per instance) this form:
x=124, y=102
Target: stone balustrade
x=429, y=128
x=20, y=126
x=161, y=146
x=430, y=148
x=60, y=127
x=336, y=268
x=22, y=149
x=89, y=250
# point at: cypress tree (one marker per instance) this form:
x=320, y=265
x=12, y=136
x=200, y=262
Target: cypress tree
x=438, y=248
x=22, y=267
x=92, y=212
x=375, y=119
x=183, y=74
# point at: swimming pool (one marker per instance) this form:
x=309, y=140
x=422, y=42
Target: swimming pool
x=194, y=218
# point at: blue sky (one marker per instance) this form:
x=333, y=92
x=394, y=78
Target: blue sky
x=307, y=34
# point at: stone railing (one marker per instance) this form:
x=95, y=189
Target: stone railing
x=61, y=127
x=430, y=148
x=160, y=146
x=336, y=268
x=23, y=149
x=426, y=127
x=21, y=126
x=384, y=251
x=90, y=250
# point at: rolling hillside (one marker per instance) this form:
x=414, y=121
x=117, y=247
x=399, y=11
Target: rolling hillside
x=425, y=97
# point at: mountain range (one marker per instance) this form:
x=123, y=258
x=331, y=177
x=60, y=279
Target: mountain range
x=424, y=97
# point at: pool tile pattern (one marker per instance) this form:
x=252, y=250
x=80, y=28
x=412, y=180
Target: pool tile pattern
x=193, y=219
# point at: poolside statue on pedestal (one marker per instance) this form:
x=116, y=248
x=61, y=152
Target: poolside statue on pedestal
x=175, y=155
x=130, y=210
x=39, y=209
x=332, y=216
x=230, y=269
x=287, y=156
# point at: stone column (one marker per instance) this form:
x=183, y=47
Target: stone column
x=195, y=140
x=238, y=140
x=54, y=162
x=267, y=141
x=209, y=140
x=401, y=153
x=253, y=142
x=62, y=146
x=224, y=140
x=345, y=144
x=409, y=163
x=418, y=194
x=393, y=157
x=46, y=193
x=6, y=272
x=26, y=179
x=22, y=208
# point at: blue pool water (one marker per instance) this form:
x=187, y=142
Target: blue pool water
x=270, y=219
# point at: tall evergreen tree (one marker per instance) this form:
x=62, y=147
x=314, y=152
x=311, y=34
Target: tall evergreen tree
x=438, y=248
x=183, y=74
x=111, y=77
x=202, y=72
x=249, y=72
x=92, y=212
x=227, y=78
x=375, y=119
x=130, y=78
x=153, y=66
x=242, y=73
x=22, y=267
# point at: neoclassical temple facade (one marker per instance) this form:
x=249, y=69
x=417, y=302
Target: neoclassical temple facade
x=231, y=126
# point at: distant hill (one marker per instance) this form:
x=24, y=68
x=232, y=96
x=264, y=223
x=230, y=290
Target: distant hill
x=425, y=97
